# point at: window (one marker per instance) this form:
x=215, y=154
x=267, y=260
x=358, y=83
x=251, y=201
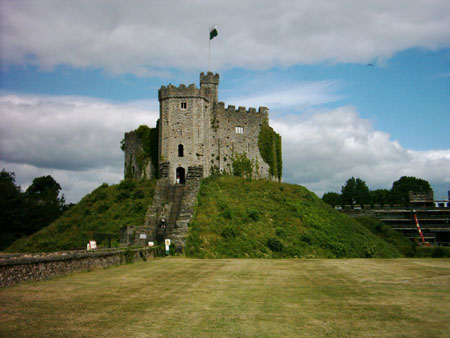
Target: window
x=183, y=105
x=239, y=130
x=180, y=150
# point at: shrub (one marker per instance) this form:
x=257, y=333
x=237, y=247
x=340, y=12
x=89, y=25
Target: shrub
x=129, y=256
x=253, y=214
x=242, y=166
x=280, y=232
x=229, y=232
x=441, y=252
x=275, y=244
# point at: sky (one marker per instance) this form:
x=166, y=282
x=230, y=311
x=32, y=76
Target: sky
x=355, y=88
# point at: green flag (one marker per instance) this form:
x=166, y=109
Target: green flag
x=213, y=32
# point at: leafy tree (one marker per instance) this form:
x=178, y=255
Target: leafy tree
x=11, y=204
x=355, y=191
x=332, y=198
x=401, y=188
x=42, y=204
x=380, y=196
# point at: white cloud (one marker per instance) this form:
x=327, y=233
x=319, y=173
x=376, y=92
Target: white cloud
x=74, y=139
x=149, y=37
x=298, y=96
x=322, y=150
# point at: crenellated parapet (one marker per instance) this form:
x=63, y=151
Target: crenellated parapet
x=209, y=78
x=231, y=110
x=182, y=91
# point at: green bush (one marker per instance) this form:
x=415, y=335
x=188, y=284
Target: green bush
x=229, y=232
x=129, y=256
x=441, y=252
x=242, y=166
x=275, y=244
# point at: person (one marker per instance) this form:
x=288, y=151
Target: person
x=178, y=179
x=162, y=223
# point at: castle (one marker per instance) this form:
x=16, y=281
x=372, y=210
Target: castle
x=195, y=136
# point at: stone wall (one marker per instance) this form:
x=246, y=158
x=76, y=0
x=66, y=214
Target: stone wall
x=133, y=154
x=227, y=140
x=15, y=268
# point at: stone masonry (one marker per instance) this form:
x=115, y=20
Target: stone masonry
x=197, y=130
x=133, y=152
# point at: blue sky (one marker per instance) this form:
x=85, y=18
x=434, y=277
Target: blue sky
x=75, y=76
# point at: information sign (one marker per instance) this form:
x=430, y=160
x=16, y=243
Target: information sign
x=167, y=243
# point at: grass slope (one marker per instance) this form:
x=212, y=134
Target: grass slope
x=385, y=232
x=98, y=215
x=178, y=297
x=240, y=218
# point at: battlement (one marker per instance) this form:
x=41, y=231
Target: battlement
x=209, y=78
x=231, y=109
x=181, y=91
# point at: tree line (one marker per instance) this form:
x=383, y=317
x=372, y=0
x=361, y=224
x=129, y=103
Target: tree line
x=356, y=191
x=23, y=213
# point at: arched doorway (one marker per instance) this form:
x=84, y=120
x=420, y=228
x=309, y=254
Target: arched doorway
x=180, y=175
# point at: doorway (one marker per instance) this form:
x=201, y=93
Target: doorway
x=180, y=175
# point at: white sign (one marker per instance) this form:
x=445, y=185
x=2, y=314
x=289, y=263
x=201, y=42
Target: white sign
x=92, y=245
x=167, y=243
x=143, y=236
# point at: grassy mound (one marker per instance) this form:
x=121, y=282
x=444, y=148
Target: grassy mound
x=240, y=218
x=99, y=215
x=385, y=232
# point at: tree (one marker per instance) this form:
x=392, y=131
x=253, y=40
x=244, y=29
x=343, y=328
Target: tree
x=401, y=188
x=332, y=198
x=355, y=191
x=11, y=204
x=42, y=204
x=380, y=197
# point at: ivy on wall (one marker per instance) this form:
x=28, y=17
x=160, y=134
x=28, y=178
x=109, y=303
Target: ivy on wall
x=149, y=140
x=269, y=143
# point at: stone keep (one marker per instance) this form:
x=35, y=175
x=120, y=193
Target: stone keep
x=198, y=134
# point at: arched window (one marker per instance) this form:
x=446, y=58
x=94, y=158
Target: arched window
x=180, y=150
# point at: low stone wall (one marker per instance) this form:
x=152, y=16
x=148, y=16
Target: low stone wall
x=15, y=268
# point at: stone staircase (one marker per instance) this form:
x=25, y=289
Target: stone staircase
x=175, y=197
x=175, y=205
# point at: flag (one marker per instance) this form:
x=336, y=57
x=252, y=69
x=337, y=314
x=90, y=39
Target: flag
x=213, y=32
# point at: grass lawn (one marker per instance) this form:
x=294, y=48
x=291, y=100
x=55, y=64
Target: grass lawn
x=237, y=298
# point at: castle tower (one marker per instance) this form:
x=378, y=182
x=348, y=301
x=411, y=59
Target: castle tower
x=211, y=82
x=184, y=129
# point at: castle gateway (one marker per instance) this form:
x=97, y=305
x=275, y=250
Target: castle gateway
x=196, y=135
